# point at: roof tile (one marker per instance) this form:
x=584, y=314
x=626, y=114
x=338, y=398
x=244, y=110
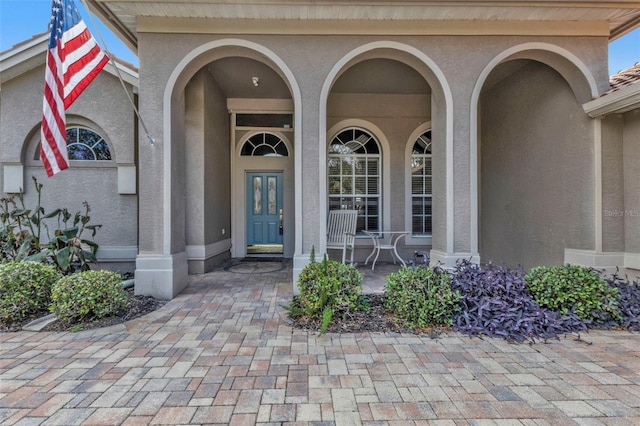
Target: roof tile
x=624, y=78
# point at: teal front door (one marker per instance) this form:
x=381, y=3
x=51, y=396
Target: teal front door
x=264, y=212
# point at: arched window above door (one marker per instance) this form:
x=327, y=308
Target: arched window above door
x=264, y=145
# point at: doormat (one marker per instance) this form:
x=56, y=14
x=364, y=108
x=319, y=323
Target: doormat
x=254, y=266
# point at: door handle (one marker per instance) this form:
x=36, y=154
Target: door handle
x=280, y=217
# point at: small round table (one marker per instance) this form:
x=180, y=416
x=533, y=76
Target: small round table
x=385, y=240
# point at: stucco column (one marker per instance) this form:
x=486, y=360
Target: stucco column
x=460, y=239
x=161, y=264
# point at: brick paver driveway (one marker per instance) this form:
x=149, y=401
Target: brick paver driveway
x=222, y=352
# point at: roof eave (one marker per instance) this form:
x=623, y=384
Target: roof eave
x=618, y=102
x=114, y=24
x=31, y=54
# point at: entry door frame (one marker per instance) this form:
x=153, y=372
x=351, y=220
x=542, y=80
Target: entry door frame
x=271, y=225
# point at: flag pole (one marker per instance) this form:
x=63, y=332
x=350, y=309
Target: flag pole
x=152, y=141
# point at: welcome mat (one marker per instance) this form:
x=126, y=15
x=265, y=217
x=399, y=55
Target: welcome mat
x=261, y=265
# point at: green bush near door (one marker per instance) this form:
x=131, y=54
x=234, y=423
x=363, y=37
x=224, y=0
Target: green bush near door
x=421, y=297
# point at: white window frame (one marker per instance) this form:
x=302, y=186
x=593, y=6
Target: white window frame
x=33, y=151
x=102, y=139
x=248, y=140
x=380, y=175
x=410, y=239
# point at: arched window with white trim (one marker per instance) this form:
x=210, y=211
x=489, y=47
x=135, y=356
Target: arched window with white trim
x=354, y=176
x=85, y=144
x=421, y=186
x=264, y=145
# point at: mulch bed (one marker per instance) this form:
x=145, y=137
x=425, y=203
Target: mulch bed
x=376, y=319
x=137, y=306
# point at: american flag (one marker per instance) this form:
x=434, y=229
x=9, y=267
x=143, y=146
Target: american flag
x=74, y=59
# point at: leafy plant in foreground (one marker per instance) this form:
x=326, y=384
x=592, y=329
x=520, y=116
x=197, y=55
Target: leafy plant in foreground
x=23, y=231
x=421, y=296
x=496, y=302
x=327, y=288
x=572, y=288
x=87, y=295
x=25, y=289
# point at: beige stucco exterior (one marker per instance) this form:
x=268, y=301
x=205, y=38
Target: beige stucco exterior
x=523, y=173
x=113, y=204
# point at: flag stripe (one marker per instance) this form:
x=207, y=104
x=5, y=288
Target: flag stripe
x=74, y=59
x=54, y=141
x=83, y=77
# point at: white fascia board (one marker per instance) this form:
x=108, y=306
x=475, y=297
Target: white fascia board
x=26, y=48
x=129, y=75
x=623, y=100
x=23, y=58
x=31, y=54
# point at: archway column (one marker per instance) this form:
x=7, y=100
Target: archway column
x=459, y=243
x=161, y=265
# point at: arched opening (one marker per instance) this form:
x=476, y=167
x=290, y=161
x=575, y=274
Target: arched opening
x=535, y=180
x=220, y=94
x=387, y=91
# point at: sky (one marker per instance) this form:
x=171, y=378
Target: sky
x=21, y=19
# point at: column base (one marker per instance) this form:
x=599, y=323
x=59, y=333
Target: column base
x=448, y=260
x=161, y=276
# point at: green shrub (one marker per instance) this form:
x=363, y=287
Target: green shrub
x=574, y=288
x=329, y=288
x=421, y=297
x=87, y=295
x=25, y=289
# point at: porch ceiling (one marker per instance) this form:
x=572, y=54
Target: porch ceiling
x=234, y=76
x=121, y=15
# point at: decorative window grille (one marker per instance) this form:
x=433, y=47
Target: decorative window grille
x=264, y=145
x=421, y=186
x=355, y=176
x=86, y=145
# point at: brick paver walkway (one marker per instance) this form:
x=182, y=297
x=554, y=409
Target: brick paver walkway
x=222, y=352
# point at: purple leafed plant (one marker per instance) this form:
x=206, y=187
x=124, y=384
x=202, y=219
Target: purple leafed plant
x=495, y=302
x=629, y=302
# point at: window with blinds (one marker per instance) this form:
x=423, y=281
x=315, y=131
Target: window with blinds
x=354, y=173
x=421, y=186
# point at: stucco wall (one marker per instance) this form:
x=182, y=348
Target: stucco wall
x=631, y=161
x=612, y=184
x=194, y=159
x=207, y=185
x=217, y=168
x=310, y=58
x=537, y=170
x=103, y=107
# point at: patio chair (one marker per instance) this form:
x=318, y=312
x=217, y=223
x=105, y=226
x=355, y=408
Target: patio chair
x=341, y=231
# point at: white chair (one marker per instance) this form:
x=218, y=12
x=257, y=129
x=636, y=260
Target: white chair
x=341, y=231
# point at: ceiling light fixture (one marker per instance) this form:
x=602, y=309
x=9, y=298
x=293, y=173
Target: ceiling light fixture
x=255, y=81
